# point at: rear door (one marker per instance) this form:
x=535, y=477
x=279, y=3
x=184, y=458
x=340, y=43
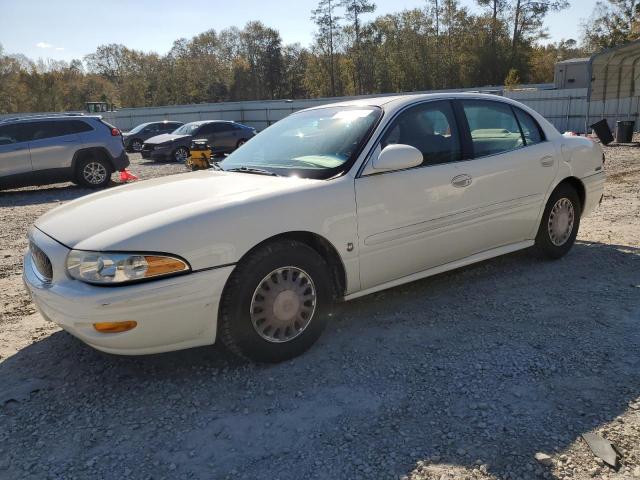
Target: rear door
x=506, y=181
x=14, y=150
x=53, y=144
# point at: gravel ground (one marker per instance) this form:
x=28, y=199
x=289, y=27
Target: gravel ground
x=468, y=374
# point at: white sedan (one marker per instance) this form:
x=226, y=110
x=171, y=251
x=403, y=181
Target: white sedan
x=331, y=203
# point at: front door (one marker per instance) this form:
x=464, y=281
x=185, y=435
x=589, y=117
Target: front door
x=407, y=219
x=52, y=145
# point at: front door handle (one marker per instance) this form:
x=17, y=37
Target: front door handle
x=547, y=161
x=461, y=181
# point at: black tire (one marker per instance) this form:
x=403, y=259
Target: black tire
x=136, y=142
x=236, y=328
x=93, y=172
x=547, y=243
x=180, y=154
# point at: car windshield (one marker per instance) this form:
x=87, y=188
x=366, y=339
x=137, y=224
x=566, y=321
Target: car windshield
x=139, y=128
x=187, y=129
x=317, y=143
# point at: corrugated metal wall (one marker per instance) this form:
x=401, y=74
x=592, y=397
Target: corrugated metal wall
x=566, y=109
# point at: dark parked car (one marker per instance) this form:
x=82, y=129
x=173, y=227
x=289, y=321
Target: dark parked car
x=39, y=150
x=134, y=138
x=223, y=136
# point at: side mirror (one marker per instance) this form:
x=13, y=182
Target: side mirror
x=397, y=157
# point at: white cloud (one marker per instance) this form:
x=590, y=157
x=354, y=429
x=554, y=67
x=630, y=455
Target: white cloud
x=43, y=45
x=59, y=48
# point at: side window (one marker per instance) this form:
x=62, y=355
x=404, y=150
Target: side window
x=493, y=127
x=206, y=129
x=431, y=128
x=530, y=128
x=227, y=127
x=13, y=133
x=46, y=129
x=77, y=126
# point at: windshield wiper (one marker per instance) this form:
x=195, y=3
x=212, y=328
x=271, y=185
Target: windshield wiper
x=258, y=171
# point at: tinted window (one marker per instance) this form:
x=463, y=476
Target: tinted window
x=77, y=126
x=206, y=129
x=46, y=129
x=431, y=128
x=13, y=133
x=226, y=127
x=493, y=126
x=530, y=128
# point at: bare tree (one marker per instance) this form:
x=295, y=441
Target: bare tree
x=327, y=21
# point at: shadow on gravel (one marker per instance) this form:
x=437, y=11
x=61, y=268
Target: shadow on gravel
x=494, y=362
x=45, y=194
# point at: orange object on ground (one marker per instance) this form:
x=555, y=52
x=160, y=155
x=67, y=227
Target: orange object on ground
x=127, y=176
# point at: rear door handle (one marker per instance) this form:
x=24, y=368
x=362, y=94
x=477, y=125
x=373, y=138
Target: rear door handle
x=547, y=161
x=461, y=181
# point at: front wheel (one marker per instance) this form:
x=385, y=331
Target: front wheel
x=180, y=154
x=560, y=222
x=276, y=302
x=136, y=145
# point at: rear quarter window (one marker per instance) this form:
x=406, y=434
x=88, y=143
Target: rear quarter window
x=77, y=126
x=530, y=128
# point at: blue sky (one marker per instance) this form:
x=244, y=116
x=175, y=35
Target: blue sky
x=73, y=28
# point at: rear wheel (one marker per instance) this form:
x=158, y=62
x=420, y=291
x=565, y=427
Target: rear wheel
x=180, y=154
x=560, y=222
x=93, y=172
x=276, y=302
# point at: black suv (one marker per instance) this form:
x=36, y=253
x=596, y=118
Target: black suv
x=39, y=150
x=134, y=138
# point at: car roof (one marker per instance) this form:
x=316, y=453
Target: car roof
x=398, y=101
x=32, y=118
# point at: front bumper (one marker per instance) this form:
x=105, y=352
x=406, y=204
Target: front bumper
x=162, y=154
x=172, y=314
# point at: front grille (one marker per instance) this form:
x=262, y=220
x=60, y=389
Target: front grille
x=41, y=262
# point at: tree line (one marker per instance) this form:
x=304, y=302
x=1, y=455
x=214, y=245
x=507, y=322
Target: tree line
x=442, y=45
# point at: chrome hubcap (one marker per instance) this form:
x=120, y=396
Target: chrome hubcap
x=181, y=155
x=561, y=221
x=283, y=304
x=94, y=173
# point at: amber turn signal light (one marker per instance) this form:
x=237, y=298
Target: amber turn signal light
x=115, y=327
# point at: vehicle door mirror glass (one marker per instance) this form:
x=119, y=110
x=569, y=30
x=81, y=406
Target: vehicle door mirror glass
x=397, y=157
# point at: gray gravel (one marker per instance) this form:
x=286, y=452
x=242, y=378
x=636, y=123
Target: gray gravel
x=468, y=374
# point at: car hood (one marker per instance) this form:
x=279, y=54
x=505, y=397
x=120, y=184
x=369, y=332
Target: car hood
x=138, y=216
x=165, y=138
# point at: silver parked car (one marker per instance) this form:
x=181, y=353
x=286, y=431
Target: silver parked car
x=40, y=150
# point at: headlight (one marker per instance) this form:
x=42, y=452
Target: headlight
x=112, y=268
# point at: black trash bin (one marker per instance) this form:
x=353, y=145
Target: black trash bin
x=603, y=131
x=624, y=131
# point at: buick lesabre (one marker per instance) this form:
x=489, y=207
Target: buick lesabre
x=331, y=203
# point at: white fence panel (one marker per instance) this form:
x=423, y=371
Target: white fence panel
x=567, y=109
